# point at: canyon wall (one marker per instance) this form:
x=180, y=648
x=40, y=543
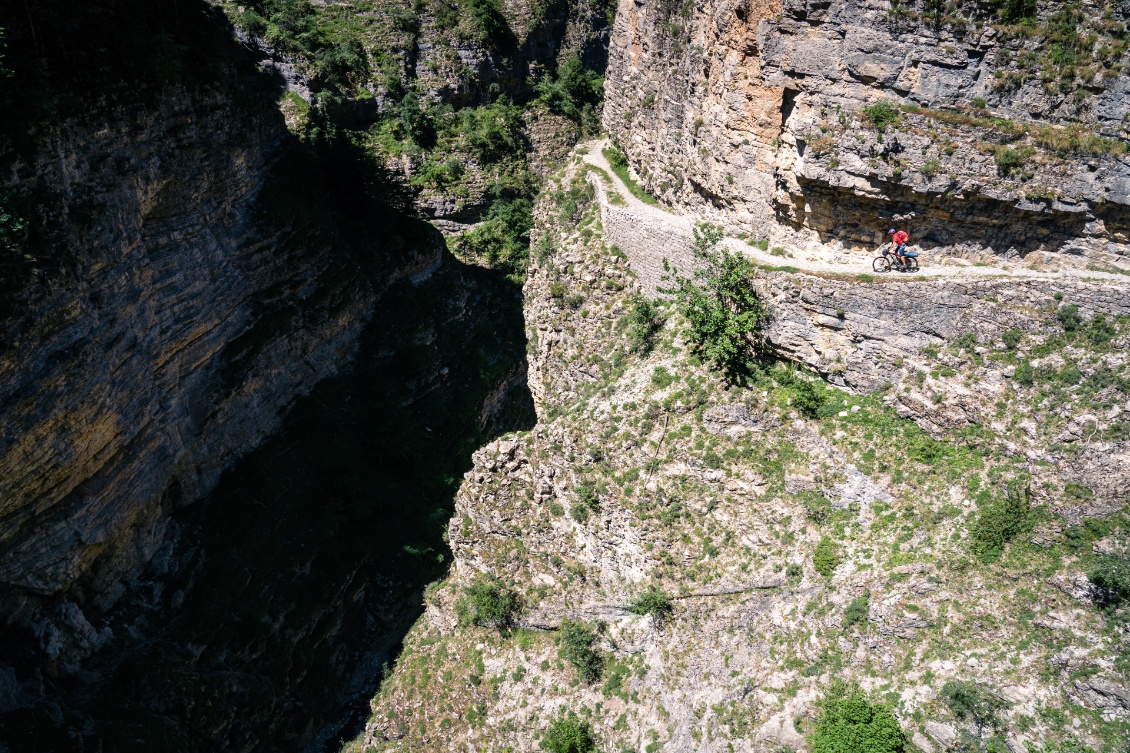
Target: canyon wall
x=165, y=305
x=990, y=137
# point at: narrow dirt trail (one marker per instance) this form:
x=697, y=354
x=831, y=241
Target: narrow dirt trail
x=635, y=216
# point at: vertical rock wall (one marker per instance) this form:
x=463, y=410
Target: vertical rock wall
x=187, y=312
x=756, y=112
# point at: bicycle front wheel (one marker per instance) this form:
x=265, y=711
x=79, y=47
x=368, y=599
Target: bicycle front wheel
x=881, y=264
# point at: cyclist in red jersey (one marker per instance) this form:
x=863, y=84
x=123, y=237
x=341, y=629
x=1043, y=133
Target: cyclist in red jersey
x=898, y=244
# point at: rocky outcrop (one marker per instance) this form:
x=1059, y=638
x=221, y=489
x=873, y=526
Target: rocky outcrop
x=754, y=111
x=190, y=312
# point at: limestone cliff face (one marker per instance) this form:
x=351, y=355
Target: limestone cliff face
x=187, y=314
x=756, y=109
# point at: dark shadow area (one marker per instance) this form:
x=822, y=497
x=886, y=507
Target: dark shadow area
x=263, y=622
x=264, y=626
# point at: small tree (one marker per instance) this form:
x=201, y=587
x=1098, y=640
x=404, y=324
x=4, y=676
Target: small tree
x=644, y=321
x=1111, y=574
x=1000, y=520
x=857, y=611
x=576, y=641
x=850, y=723
x=653, y=602
x=826, y=557
x=723, y=310
x=971, y=703
x=568, y=734
x=489, y=603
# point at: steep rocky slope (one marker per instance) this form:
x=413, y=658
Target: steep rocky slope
x=988, y=129
x=915, y=536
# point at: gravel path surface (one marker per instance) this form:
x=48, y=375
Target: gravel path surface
x=821, y=261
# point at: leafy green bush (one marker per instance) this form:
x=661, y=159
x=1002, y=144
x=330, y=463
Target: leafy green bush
x=807, y=398
x=970, y=703
x=661, y=377
x=490, y=603
x=826, y=557
x=882, y=114
x=568, y=734
x=1111, y=574
x=488, y=24
x=12, y=224
x=644, y=322
x=502, y=239
x=1012, y=338
x=1000, y=520
x=575, y=641
x=1015, y=11
x=1024, y=374
x=1010, y=160
x=850, y=723
x=723, y=310
x=574, y=92
x=817, y=507
x=653, y=602
x=493, y=132
x=856, y=612
x=1068, y=316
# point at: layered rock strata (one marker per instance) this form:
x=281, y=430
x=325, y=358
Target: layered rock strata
x=191, y=314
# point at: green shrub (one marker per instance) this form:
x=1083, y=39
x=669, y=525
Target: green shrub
x=826, y=557
x=661, y=377
x=817, y=507
x=579, y=512
x=587, y=494
x=808, y=398
x=1068, y=316
x=644, y=322
x=1014, y=11
x=1010, y=160
x=970, y=703
x=653, y=602
x=1012, y=338
x=1000, y=520
x=502, y=239
x=543, y=250
x=1099, y=331
x=1111, y=574
x=1024, y=374
x=573, y=92
x=575, y=641
x=724, y=314
x=489, y=603
x=882, y=114
x=568, y=734
x=12, y=224
x=848, y=722
x=856, y=612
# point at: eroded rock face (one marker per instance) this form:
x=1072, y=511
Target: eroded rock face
x=191, y=314
x=752, y=112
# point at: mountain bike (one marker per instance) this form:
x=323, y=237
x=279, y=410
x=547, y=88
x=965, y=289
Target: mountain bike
x=886, y=261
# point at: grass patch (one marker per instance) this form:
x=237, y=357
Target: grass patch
x=619, y=163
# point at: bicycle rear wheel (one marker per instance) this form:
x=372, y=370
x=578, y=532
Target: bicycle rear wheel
x=912, y=264
x=881, y=264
